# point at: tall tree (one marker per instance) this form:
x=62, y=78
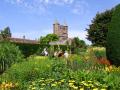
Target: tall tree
x=6, y=32
x=48, y=38
x=113, y=38
x=97, y=31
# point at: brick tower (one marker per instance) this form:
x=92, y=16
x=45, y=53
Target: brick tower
x=60, y=30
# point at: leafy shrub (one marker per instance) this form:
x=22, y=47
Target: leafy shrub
x=59, y=69
x=29, y=70
x=9, y=54
x=97, y=51
x=28, y=49
x=113, y=38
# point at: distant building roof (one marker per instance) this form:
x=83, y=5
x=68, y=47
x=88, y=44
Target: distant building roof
x=61, y=42
x=58, y=42
x=20, y=40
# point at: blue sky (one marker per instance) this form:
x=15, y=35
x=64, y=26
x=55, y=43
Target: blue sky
x=34, y=18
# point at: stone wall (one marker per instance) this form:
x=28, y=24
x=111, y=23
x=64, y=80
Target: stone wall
x=61, y=31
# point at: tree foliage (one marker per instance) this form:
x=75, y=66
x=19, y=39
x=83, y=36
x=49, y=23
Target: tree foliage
x=97, y=31
x=76, y=42
x=48, y=38
x=113, y=38
x=5, y=33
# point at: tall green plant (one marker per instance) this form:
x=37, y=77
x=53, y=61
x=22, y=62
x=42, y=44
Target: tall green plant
x=113, y=38
x=9, y=54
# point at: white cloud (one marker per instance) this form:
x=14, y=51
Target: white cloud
x=80, y=8
x=31, y=6
x=58, y=2
x=76, y=6
x=48, y=2
x=14, y=1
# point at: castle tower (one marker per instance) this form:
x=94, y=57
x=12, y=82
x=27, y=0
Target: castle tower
x=56, y=27
x=65, y=30
x=60, y=30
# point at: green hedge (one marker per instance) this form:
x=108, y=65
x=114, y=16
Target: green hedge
x=30, y=49
x=113, y=38
x=27, y=49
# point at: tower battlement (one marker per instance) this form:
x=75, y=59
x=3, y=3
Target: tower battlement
x=60, y=30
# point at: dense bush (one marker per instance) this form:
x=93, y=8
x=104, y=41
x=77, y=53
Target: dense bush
x=92, y=53
x=99, y=51
x=28, y=49
x=9, y=54
x=77, y=50
x=113, y=38
x=29, y=70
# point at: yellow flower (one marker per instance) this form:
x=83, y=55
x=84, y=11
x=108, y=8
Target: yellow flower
x=41, y=80
x=6, y=85
x=62, y=80
x=72, y=81
x=53, y=85
x=107, y=69
x=59, y=82
x=81, y=88
x=92, y=85
x=10, y=84
x=43, y=84
x=3, y=83
x=86, y=84
x=71, y=84
x=95, y=88
x=103, y=89
x=33, y=88
x=41, y=88
x=33, y=83
x=30, y=86
x=51, y=79
x=89, y=81
x=75, y=87
x=83, y=82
